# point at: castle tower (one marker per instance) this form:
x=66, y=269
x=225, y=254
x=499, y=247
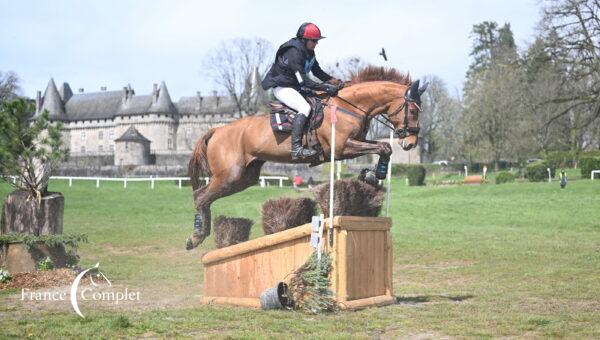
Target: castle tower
x=52, y=102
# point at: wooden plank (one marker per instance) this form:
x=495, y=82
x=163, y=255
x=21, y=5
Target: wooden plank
x=389, y=288
x=362, y=223
x=382, y=300
x=342, y=270
x=256, y=244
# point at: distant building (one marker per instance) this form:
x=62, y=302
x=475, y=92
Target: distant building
x=134, y=129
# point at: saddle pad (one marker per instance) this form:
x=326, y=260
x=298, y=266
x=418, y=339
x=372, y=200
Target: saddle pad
x=281, y=121
x=282, y=117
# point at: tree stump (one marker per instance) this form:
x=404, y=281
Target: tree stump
x=18, y=259
x=23, y=216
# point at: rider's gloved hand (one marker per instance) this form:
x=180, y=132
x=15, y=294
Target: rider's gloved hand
x=331, y=90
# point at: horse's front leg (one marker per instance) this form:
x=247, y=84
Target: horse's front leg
x=355, y=148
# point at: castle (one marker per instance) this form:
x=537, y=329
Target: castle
x=128, y=129
x=116, y=129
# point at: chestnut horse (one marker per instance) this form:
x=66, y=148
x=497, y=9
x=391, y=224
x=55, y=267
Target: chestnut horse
x=232, y=155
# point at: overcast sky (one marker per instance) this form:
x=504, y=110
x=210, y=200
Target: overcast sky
x=109, y=43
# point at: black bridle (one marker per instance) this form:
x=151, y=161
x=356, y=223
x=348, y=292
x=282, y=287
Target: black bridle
x=402, y=132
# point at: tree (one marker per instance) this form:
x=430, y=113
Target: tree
x=30, y=149
x=438, y=121
x=344, y=68
x=493, y=112
x=493, y=124
x=571, y=33
x=9, y=86
x=491, y=45
x=237, y=66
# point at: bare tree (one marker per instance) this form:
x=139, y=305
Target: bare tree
x=9, y=86
x=438, y=120
x=237, y=66
x=344, y=68
x=492, y=112
x=571, y=30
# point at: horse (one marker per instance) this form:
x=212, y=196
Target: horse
x=232, y=155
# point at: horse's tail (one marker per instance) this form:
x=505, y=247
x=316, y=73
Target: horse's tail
x=198, y=165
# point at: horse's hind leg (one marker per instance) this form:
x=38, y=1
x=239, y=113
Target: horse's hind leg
x=238, y=179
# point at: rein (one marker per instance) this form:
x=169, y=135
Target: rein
x=403, y=132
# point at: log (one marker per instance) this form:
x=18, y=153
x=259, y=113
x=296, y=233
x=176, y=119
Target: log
x=23, y=216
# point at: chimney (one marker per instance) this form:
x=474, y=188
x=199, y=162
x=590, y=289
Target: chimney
x=103, y=88
x=38, y=101
x=154, y=93
x=125, y=94
x=199, y=103
x=81, y=90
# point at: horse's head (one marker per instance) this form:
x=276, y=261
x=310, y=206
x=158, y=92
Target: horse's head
x=405, y=115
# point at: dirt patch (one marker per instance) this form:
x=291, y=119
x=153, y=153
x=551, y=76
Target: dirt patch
x=444, y=265
x=40, y=279
x=127, y=250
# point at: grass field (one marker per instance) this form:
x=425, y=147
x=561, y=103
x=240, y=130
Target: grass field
x=514, y=260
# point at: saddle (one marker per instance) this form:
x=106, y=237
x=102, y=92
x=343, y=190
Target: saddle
x=282, y=117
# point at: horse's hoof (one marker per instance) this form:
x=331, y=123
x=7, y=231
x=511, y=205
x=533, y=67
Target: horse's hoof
x=189, y=245
x=195, y=239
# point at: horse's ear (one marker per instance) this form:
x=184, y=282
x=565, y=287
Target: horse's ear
x=414, y=90
x=423, y=88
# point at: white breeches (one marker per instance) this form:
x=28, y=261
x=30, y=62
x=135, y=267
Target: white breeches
x=293, y=99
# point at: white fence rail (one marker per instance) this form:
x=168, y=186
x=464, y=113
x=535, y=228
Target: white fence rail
x=263, y=180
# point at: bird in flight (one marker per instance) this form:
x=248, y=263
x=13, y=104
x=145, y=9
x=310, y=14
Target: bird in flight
x=382, y=53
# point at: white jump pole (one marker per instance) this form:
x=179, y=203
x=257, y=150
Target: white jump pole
x=333, y=111
x=389, y=179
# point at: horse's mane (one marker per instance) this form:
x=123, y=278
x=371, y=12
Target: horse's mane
x=379, y=73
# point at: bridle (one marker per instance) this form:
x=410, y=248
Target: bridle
x=402, y=132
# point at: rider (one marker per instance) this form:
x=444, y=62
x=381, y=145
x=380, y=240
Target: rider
x=293, y=61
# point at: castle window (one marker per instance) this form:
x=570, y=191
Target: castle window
x=112, y=147
x=100, y=148
x=126, y=146
x=82, y=135
x=83, y=149
x=170, y=143
x=188, y=131
x=100, y=134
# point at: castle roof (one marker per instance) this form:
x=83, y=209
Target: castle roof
x=52, y=102
x=65, y=105
x=161, y=101
x=132, y=135
x=135, y=105
x=95, y=105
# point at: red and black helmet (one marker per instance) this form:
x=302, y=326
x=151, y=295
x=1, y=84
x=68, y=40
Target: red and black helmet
x=308, y=30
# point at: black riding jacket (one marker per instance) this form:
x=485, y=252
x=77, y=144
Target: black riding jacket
x=293, y=62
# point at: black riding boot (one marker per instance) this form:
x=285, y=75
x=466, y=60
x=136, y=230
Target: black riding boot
x=299, y=152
